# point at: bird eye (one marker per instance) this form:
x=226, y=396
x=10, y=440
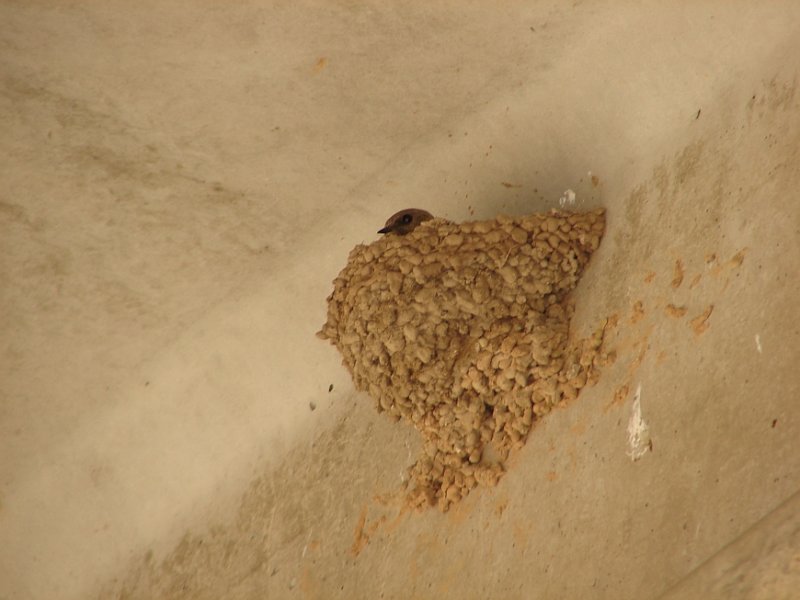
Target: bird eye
x=406, y=219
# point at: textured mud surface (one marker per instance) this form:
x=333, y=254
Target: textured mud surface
x=463, y=330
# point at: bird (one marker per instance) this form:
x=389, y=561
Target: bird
x=405, y=221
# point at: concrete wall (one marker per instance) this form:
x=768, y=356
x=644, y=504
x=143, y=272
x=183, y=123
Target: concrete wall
x=182, y=181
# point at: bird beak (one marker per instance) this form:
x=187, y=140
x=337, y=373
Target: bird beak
x=385, y=230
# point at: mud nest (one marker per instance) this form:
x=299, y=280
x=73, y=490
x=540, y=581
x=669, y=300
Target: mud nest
x=463, y=331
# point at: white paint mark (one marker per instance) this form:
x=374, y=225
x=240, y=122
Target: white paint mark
x=758, y=343
x=567, y=199
x=638, y=432
x=305, y=548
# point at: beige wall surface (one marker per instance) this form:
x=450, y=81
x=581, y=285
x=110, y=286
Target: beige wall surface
x=180, y=183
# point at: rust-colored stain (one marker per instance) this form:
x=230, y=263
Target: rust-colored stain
x=364, y=530
x=638, y=312
x=633, y=345
x=700, y=323
x=677, y=274
x=384, y=499
x=738, y=258
x=506, y=184
x=375, y=525
x=390, y=502
x=321, y=63
x=619, y=397
x=579, y=428
x=360, y=539
x=500, y=507
x=734, y=263
x=675, y=312
x=713, y=264
x=595, y=180
x=551, y=475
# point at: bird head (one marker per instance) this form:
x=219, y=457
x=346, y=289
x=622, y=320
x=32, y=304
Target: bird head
x=405, y=221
